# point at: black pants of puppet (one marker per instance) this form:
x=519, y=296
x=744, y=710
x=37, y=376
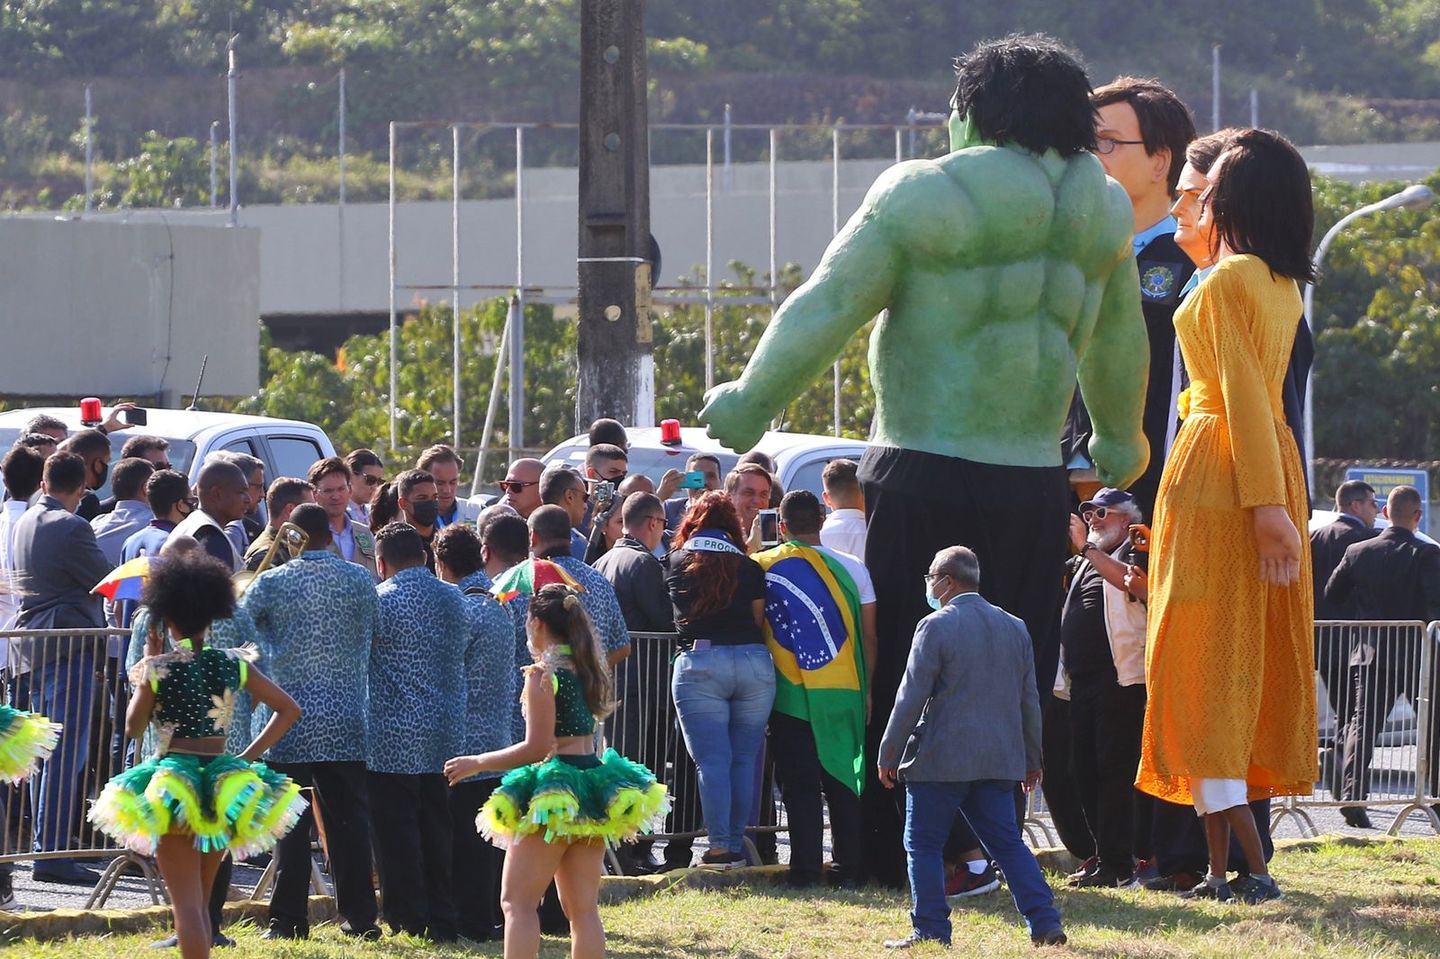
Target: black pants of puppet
x=1015, y=519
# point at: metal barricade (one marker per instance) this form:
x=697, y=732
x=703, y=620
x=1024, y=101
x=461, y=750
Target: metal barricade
x=75, y=677
x=1374, y=681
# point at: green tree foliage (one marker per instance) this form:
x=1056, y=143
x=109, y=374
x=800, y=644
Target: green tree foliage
x=1373, y=47
x=164, y=173
x=348, y=395
x=1377, y=321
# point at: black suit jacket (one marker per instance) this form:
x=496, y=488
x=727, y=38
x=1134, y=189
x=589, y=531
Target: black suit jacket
x=1327, y=547
x=639, y=582
x=1392, y=576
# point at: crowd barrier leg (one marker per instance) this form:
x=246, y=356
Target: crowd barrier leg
x=1291, y=808
x=1424, y=802
x=154, y=885
x=1033, y=822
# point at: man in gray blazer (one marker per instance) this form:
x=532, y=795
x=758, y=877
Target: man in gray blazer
x=965, y=729
x=57, y=563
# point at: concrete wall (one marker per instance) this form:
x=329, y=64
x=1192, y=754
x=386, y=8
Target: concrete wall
x=127, y=309
x=302, y=269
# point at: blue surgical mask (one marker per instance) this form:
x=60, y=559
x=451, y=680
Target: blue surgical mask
x=932, y=599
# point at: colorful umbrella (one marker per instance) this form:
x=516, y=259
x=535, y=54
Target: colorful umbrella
x=125, y=581
x=529, y=576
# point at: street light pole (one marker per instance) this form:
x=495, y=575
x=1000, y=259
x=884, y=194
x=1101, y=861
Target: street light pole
x=1414, y=197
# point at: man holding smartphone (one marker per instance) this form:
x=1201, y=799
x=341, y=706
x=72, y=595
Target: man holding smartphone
x=702, y=474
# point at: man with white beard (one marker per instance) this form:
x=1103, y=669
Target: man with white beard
x=1102, y=640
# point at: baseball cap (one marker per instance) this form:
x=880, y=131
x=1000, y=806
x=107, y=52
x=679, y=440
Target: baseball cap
x=1108, y=497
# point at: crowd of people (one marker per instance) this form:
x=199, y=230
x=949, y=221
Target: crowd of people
x=434, y=675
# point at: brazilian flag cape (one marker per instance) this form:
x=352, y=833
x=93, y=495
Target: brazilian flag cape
x=812, y=626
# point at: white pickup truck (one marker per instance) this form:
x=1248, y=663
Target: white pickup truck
x=286, y=447
x=799, y=457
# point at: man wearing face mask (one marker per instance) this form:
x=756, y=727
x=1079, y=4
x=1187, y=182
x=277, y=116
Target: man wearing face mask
x=420, y=505
x=168, y=494
x=1102, y=651
x=93, y=446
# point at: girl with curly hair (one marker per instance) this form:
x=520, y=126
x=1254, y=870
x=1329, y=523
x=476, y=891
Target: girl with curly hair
x=194, y=802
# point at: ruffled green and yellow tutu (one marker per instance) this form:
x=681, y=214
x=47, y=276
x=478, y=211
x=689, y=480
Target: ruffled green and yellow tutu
x=570, y=798
x=223, y=801
x=25, y=739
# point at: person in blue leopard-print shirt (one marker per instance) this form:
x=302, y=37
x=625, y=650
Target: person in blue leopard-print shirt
x=493, y=689
x=550, y=539
x=418, y=700
x=317, y=617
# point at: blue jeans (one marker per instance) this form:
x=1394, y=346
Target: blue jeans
x=723, y=696
x=989, y=806
x=64, y=690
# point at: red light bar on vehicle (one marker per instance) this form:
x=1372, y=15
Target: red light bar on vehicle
x=669, y=432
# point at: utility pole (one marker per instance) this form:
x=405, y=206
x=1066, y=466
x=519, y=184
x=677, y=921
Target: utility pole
x=616, y=376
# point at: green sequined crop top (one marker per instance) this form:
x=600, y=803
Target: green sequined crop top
x=572, y=713
x=195, y=692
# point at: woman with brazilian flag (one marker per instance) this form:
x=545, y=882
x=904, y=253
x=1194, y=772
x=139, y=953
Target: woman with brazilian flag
x=820, y=627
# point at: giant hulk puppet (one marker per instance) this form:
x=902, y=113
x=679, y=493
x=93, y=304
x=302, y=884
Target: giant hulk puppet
x=1002, y=272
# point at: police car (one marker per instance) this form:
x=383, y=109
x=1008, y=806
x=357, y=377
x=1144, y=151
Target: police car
x=799, y=457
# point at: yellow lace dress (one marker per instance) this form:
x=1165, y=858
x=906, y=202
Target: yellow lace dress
x=1230, y=660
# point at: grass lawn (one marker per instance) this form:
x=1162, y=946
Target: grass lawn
x=1341, y=901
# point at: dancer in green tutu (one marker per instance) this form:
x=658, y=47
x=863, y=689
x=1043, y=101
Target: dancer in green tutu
x=193, y=801
x=556, y=815
x=25, y=739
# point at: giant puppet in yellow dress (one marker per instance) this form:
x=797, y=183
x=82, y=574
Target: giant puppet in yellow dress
x=1230, y=661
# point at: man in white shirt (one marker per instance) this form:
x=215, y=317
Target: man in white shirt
x=844, y=529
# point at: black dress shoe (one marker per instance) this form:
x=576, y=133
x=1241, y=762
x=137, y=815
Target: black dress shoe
x=65, y=873
x=284, y=932
x=368, y=934
x=1356, y=817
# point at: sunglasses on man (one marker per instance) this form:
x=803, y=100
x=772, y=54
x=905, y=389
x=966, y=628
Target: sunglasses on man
x=516, y=487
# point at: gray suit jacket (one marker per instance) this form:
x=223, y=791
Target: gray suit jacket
x=57, y=563
x=967, y=708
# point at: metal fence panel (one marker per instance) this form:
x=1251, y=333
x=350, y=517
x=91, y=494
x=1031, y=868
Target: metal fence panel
x=1376, y=721
x=75, y=678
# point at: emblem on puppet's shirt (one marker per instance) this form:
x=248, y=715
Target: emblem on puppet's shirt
x=1157, y=282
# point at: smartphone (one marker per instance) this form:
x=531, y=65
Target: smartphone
x=693, y=480
x=769, y=527
x=136, y=417
x=602, y=494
